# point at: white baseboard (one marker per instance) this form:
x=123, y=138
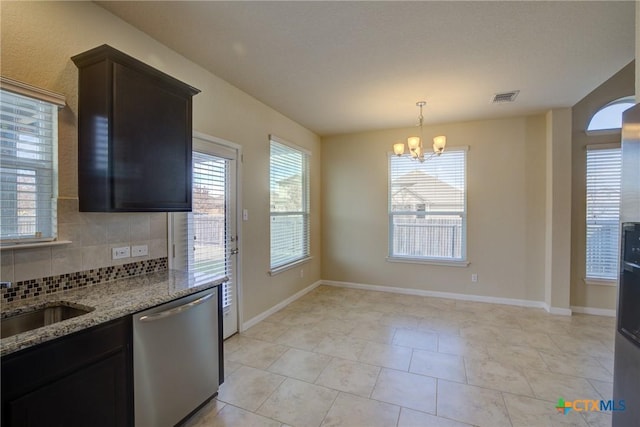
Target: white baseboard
x=594, y=311
x=282, y=304
x=436, y=294
x=559, y=311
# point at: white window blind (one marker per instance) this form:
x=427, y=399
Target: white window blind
x=209, y=218
x=28, y=144
x=427, y=207
x=603, y=212
x=289, y=187
x=206, y=251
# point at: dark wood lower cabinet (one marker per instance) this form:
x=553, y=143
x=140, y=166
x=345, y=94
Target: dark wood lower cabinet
x=83, y=379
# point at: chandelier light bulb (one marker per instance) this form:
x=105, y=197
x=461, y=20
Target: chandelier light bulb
x=439, y=142
x=413, y=142
x=398, y=148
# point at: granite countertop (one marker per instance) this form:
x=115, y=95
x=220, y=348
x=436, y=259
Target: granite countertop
x=109, y=301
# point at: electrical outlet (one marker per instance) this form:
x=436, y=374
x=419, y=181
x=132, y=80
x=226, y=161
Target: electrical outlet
x=119, y=253
x=474, y=278
x=140, y=250
x=301, y=273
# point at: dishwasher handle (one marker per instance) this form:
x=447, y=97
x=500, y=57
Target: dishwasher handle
x=175, y=310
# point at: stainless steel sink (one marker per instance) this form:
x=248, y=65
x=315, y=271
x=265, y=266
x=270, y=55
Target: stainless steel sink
x=37, y=318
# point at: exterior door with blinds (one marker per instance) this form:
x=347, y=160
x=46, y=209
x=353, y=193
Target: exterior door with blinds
x=205, y=239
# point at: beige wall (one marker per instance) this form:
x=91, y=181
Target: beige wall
x=506, y=210
x=619, y=85
x=37, y=40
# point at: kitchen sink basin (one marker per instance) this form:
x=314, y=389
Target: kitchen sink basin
x=37, y=318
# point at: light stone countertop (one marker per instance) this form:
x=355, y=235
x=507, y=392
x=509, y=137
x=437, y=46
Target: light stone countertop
x=110, y=300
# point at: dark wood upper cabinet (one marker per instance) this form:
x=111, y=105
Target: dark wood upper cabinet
x=134, y=135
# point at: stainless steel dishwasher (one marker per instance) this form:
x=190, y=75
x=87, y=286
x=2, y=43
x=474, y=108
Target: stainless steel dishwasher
x=175, y=358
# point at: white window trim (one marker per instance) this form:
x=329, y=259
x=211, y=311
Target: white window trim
x=600, y=282
x=29, y=245
x=26, y=89
x=289, y=144
x=283, y=268
x=605, y=132
x=464, y=262
x=603, y=146
x=429, y=261
x=608, y=131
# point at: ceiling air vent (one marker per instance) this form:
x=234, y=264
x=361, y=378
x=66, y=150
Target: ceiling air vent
x=499, y=98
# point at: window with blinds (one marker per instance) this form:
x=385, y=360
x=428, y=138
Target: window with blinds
x=289, y=188
x=28, y=144
x=427, y=207
x=603, y=212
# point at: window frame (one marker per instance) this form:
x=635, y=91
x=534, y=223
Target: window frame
x=445, y=261
x=305, y=189
x=625, y=100
x=591, y=279
x=47, y=221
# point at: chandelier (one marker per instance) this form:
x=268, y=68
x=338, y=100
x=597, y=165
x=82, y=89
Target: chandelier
x=415, y=142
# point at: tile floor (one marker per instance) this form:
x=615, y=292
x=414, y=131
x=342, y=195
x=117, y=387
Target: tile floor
x=346, y=357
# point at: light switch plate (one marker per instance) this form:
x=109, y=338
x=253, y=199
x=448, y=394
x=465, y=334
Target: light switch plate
x=119, y=253
x=139, y=250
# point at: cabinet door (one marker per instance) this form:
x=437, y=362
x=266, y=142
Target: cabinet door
x=82, y=379
x=92, y=396
x=151, y=151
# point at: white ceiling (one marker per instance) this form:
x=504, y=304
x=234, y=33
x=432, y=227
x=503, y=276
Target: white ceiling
x=339, y=67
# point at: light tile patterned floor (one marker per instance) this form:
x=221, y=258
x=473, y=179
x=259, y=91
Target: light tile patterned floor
x=346, y=357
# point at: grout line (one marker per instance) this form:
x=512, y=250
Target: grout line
x=437, y=386
x=506, y=408
x=376, y=381
x=333, y=402
x=284, y=378
x=466, y=374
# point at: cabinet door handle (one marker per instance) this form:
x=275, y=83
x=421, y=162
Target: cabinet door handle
x=175, y=310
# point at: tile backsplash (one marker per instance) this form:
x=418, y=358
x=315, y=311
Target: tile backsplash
x=24, y=290
x=92, y=237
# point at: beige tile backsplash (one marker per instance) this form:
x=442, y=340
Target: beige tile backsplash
x=6, y=266
x=31, y=263
x=92, y=236
x=66, y=260
x=139, y=228
x=118, y=232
